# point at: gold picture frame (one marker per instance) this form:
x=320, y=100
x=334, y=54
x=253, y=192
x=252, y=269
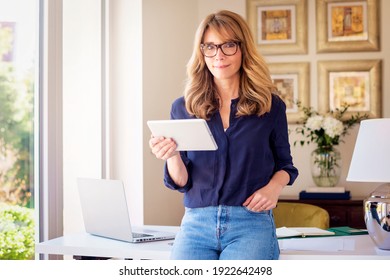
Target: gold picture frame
x=292, y=81
x=353, y=83
x=347, y=25
x=278, y=26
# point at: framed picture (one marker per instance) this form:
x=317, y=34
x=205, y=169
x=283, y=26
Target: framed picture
x=278, y=26
x=347, y=26
x=292, y=81
x=353, y=83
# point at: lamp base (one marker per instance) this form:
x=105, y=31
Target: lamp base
x=377, y=216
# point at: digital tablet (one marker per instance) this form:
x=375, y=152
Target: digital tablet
x=189, y=134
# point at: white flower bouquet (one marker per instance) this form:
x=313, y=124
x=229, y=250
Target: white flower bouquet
x=326, y=132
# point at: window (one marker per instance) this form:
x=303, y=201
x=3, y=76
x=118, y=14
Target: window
x=18, y=90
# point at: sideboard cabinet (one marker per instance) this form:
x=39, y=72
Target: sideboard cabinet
x=342, y=212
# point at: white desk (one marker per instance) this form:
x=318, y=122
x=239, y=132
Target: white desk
x=83, y=244
x=361, y=248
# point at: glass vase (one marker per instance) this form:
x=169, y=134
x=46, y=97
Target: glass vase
x=326, y=166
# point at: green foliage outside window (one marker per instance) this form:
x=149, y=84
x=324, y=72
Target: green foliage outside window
x=16, y=130
x=16, y=232
x=17, y=229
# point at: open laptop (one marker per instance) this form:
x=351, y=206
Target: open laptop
x=105, y=212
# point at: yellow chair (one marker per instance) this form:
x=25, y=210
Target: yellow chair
x=295, y=214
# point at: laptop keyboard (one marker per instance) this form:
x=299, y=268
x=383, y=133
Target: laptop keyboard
x=139, y=235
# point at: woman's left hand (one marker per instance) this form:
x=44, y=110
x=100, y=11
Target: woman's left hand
x=267, y=197
x=262, y=199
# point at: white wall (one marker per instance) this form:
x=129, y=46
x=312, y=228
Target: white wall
x=206, y=7
x=81, y=102
x=125, y=89
x=168, y=28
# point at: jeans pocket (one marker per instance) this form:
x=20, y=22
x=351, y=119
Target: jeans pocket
x=256, y=212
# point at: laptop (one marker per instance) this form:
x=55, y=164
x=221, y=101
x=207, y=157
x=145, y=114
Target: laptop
x=105, y=212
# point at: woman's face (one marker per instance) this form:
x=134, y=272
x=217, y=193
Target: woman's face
x=223, y=67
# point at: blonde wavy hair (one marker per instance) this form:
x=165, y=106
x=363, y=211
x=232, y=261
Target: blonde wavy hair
x=256, y=87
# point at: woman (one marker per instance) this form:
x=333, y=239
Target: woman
x=229, y=193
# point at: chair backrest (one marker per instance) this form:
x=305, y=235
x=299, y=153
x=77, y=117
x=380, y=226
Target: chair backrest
x=291, y=214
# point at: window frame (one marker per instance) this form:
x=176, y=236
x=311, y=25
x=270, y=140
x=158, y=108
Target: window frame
x=48, y=127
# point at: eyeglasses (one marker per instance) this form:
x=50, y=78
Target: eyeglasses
x=228, y=48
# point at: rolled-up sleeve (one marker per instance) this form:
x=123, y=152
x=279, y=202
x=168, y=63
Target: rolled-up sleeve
x=168, y=179
x=280, y=144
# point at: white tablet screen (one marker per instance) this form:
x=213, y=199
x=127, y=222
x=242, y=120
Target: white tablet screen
x=189, y=134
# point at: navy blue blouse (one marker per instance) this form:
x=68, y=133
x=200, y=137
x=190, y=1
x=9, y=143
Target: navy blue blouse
x=249, y=153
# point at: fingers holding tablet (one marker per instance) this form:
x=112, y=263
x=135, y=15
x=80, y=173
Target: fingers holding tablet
x=162, y=148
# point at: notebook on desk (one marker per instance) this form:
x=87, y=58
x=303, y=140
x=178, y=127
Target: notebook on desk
x=105, y=212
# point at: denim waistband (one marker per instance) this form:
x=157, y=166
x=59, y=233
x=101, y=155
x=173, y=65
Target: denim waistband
x=227, y=207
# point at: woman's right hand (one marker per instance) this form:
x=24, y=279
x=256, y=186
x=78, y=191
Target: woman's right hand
x=163, y=148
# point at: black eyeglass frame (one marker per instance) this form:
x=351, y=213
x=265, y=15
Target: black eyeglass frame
x=219, y=46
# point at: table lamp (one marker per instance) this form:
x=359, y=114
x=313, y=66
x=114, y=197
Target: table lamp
x=371, y=163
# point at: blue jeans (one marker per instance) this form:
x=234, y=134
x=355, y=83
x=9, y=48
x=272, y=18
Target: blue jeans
x=226, y=233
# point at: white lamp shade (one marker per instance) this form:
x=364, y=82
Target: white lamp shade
x=371, y=157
